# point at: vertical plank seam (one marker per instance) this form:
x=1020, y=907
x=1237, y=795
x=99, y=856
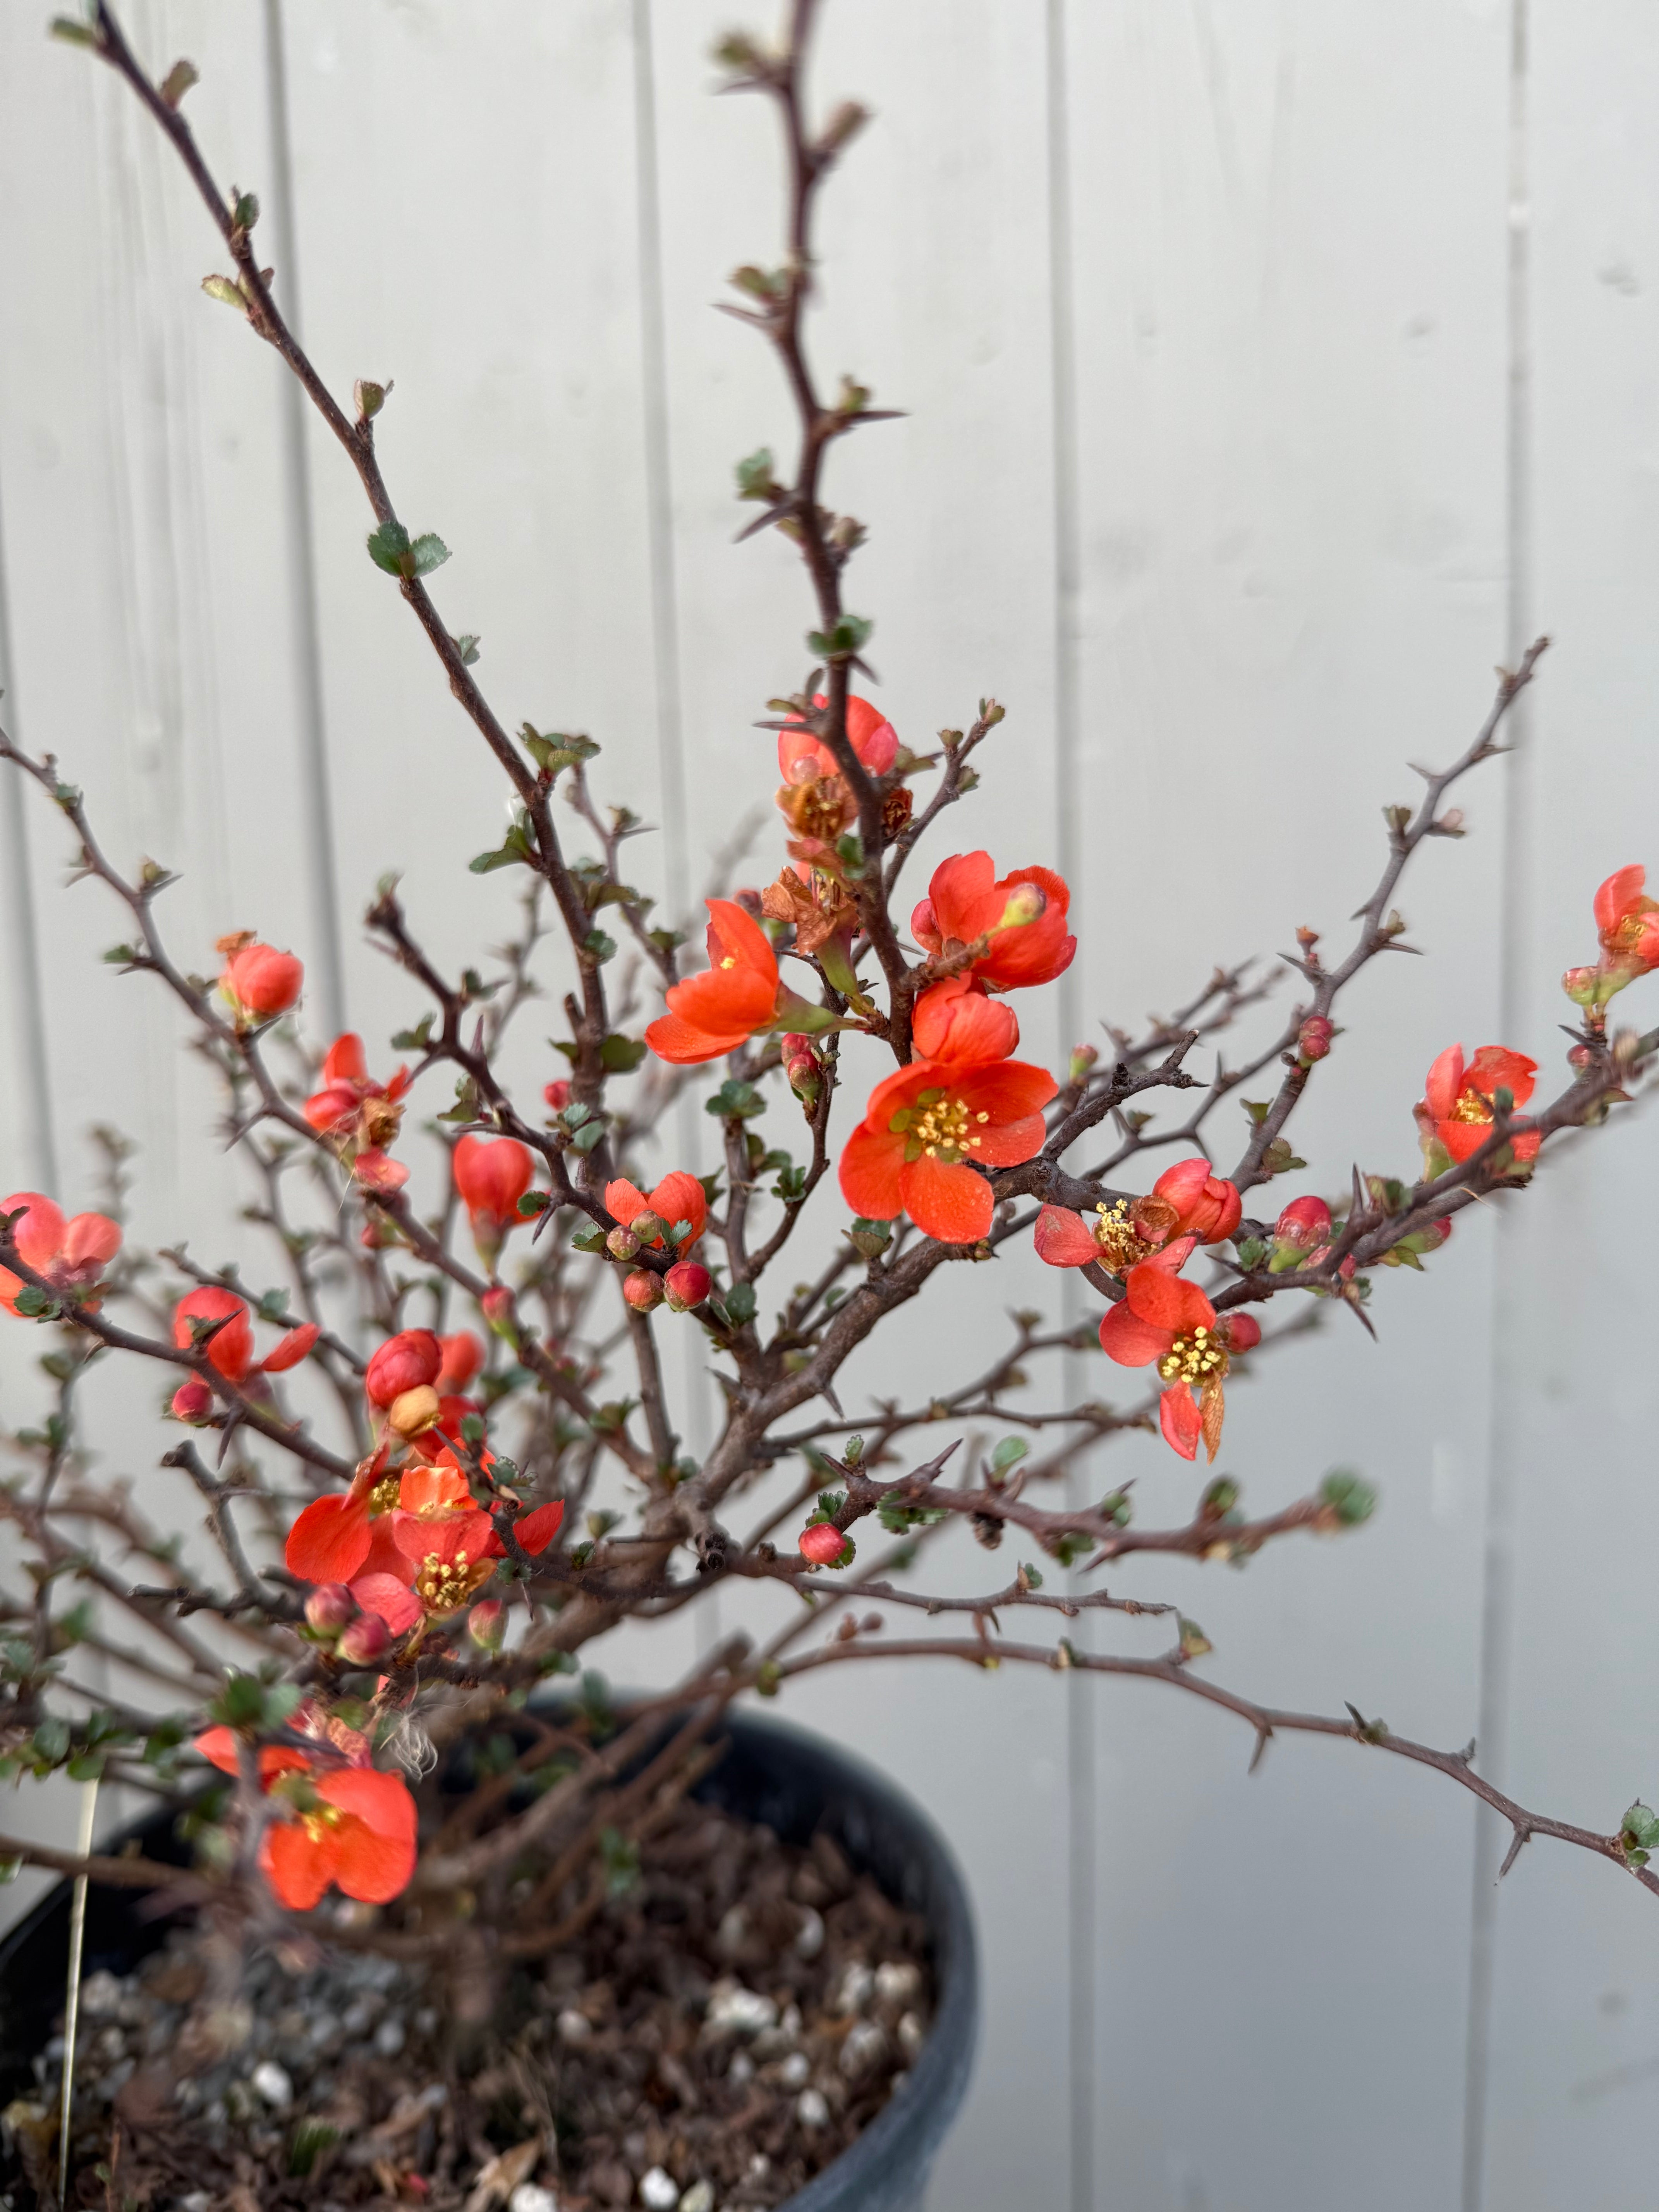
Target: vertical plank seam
x=328, y=947
x=1498, y=1565
x=658, y=478
x=1081, y=1871
x=29, y=1026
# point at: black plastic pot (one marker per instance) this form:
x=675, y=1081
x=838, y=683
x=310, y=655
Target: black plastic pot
x=796, y=1784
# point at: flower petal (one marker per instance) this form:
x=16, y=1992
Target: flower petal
x=1064, y=1239
x=329, y=1542
x=870, y=1163
x=91, y=1240
x=298, y=1865
x=1179, y=1418
x=1130, y=1340
x=1445, y=1085
x=375, y=1853
x=536, y=1531
x=395, y=1602
x=39, y=1236
x=1156, y=1295
x=952, y=1204
x=290, y=1348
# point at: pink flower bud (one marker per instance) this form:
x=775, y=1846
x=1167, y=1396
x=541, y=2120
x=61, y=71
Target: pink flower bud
x=1313, y=1039
x=825, y=1545
x=262, y=980
x=330, y=1606
x=1083, y=1057
x=367, y=1641
x=496, y=1306
x=487, y=1624
x=557, y=1096
x=403, y=1363
x=642, y=1289
x=1304, y=1222
x=192, y=1401
x=1242, y=1331
x=687, y=1285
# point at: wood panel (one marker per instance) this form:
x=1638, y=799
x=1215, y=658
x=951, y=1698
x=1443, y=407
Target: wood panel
x=1573, y=2092
x=1289, y=269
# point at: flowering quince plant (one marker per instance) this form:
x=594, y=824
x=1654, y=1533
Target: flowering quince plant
x=459, y=1463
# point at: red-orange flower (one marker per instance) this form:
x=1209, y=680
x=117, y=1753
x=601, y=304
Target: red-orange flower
x=354, y=1828
x=1022, y=917
x=230, y=1348
x=802, y=757
x=1206, y=1205
x=492, y=1174
x=1456, y=1110
x=259, y=981
x=1163, y=1318
x=679, y=1197
x=955, y=1020
x=72, y=1254
x=351, y=1826
x=738, y=992
x=360, y=1116
x=1627, y=921
x=924, y=1126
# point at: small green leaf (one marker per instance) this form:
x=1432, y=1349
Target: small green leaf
x=389, y=548
x=1351, y=1500
x=739, y=1302
x=598, y=946
x=467, y=645
x=533, y=1203
x=73, y=33
x=370, y=397
x=849, y=636
x=589, y=1137
x=427, y=553
x=735, y=1101
x=52, y=1739
x=246, y=211
x=1257, y=1108
x=621, y=1053
x=1009, y=1453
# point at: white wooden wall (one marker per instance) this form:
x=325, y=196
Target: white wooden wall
x=1271, y=366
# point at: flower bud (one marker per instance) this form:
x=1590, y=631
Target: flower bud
x=825, y=1545
x=642, y=1289
x=496, y=1306
x=192, y=1401
x=557, y=1096
x=622, y=1243
x=802, y=1069
x=1313, y=1039
x=330, y=1606
x=1304, y=1222
x=414, y=1356
x=1594, y=987
x=1242, y=1331
x=486, y=1625
x=687, y=1285
x=259, y=980
x=414, y=1411
x=1082, y=1058
x=648, y=1227
x=367, y=1641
